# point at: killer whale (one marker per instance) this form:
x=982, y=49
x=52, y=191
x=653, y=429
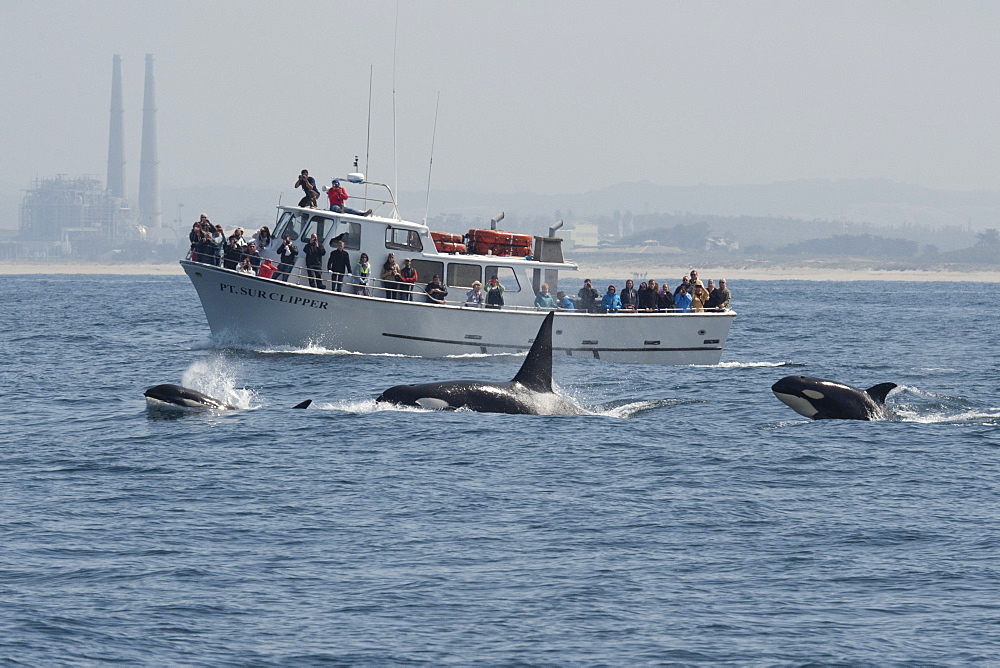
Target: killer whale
x=176, y=397
x=822, y=399
x=528, y=393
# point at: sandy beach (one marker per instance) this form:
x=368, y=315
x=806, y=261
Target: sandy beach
x=589, y=268
x=672, y=274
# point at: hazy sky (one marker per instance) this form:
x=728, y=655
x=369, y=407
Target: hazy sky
x=536, y=95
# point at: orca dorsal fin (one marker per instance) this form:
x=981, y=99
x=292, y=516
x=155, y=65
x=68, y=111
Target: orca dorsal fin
x=304, y=404
x=536, y=372
x=881, y=391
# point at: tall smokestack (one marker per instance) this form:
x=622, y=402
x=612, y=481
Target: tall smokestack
x=149, y=162
x=116, y=141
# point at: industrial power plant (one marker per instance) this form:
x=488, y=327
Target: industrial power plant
x=63, y=217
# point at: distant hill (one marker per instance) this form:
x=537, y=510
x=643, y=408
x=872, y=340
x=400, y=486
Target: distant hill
x=876, y=201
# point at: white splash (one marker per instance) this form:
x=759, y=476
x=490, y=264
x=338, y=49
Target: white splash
x=216, y=376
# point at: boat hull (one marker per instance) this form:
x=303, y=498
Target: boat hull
x=248, y=310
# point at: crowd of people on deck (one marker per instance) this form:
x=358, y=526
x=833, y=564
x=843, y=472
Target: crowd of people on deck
x=690, y=296
x=210, y=245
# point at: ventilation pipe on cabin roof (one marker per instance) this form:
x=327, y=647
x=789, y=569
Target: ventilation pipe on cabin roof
x=552, y=230
x=494, y=220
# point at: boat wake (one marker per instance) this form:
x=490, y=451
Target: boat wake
x=312, y=349
x=226, y=342
x=747, y=365
x=469, y=356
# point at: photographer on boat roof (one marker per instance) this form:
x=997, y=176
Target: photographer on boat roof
x=338, y=196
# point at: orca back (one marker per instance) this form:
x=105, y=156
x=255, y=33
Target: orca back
x=880, y=392
x=536, y=371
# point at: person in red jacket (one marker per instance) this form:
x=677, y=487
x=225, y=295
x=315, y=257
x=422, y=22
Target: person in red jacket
x=338, y=196
x=410, y=277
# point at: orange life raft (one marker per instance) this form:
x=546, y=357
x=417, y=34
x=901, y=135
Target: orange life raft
x=497, y=242
x=448, y=243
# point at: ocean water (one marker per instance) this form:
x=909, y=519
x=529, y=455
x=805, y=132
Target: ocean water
x=690, y=518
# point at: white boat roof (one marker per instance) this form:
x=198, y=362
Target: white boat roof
x=432, y=250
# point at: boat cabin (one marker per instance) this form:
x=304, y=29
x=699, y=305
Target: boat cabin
x=520, y=266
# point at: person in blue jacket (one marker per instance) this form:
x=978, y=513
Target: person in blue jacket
x=682, y=300
x=611, y=303
x=564, y=303
x=543, y=299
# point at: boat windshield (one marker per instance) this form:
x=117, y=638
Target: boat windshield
x=291, y=224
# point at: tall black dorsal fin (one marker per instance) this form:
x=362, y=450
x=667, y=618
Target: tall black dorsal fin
x=881, y=391
x=536, y=372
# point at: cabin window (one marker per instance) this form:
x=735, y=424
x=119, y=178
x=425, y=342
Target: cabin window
x=398, y=238
x=462, y=275
x=507, y=277
x=348, y=232
x=291, y=224
x=427, y=268
x=320, y=226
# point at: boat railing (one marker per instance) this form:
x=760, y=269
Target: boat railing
x=378, y=202
x=323, y=279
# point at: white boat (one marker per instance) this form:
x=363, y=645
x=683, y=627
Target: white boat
x=245, y=309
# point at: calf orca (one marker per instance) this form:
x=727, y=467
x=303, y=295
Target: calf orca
x=529, y=393
x=821, y=399
x=175, y=397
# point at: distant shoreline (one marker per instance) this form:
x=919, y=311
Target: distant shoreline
x=597, y=270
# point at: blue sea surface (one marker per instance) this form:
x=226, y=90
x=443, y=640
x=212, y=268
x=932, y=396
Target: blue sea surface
x=690, y=518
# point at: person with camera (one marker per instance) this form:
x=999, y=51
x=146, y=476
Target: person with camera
x=231, y=253
x=436, y=292
x=218, y=244
x=251, y=253
x=287, y=253
x=588, y=297
x=391, y=278
x=203, y=240
x=314, y=262
x=339, y=265
x=308, y=185
x=338, y=197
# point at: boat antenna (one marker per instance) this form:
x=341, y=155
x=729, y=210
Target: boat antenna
x=395, y=162
x=427, y=203
x=368, y=141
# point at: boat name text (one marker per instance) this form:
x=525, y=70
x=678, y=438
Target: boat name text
x=273, y=296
